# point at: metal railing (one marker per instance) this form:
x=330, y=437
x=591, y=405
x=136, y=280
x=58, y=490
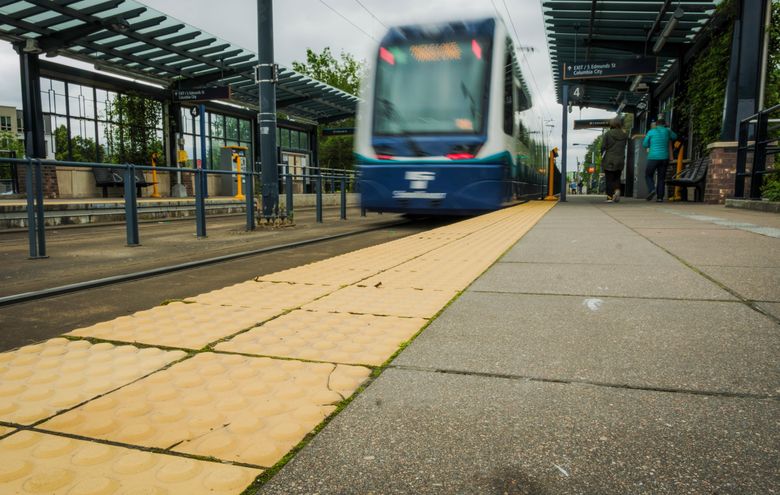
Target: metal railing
x=35, y=194
x=339, y=180
x=759, y=135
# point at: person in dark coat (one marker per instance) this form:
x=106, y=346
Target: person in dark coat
x=614, y=148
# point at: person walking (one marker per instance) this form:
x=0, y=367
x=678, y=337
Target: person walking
x=614, y=159
x=657, y=143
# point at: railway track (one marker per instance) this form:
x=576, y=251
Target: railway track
x=34, y=315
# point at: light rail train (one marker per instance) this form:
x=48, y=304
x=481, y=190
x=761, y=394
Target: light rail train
x=447, y=123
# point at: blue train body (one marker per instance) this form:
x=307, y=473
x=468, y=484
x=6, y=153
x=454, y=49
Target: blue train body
x=446, y=125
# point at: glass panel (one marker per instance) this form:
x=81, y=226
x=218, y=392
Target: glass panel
x=285, y=138
x=305, y=140
x=294, y=139
x=246, y=130
x=217, y=125
x=82, y=140
x=59, y=97
x=186, y=121
x=231, y=128
x=437, y=87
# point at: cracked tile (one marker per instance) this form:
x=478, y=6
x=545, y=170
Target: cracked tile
x=235, y=408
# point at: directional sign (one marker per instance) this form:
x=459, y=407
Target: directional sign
x=344, y=131
x=590, y=124
x=616, y=68
x=202, y=94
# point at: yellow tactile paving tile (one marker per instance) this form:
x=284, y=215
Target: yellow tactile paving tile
x=235, y=408
x=422, y=274
x=384, y=301
x=263, y=295
x=38, y=463
x=4, y=430
x=185, y=325
x=331, y=337
x=39, y=380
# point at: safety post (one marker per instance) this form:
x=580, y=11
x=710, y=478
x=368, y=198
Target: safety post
x=250, y=199
x=551, y=176
x=288, y=194
x=155, y=192
x=131, y=209
x=678, y=189
x=239, y=192
x=200, y=203
x=318, y=186
x=343, y=198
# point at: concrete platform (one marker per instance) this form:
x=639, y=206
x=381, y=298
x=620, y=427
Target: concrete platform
x=616, y=348
x=640, y=369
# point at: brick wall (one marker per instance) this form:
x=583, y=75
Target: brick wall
x=721, y=173
x=50, y=185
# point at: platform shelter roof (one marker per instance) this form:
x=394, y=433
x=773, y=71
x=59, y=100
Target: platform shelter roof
x=607, y=30
x=128, y=38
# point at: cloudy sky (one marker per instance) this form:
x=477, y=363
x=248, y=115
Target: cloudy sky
x=316, y=24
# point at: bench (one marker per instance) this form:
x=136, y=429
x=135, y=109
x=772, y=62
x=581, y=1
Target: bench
x=110, y=177
x=691, y=176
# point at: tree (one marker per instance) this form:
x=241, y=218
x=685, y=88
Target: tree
x=135, y=136
x=10, y=146
x=345, y=74
x=81, y=149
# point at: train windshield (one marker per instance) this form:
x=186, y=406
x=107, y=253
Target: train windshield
x=432, y=87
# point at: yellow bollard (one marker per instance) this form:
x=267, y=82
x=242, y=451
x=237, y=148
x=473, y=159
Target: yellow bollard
x=155, y=192
x=678, y=189
x=239, y=191
x=551, y=176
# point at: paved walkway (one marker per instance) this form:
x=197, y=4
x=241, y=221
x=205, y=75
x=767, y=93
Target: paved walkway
x=202, y=395
x=617, y=348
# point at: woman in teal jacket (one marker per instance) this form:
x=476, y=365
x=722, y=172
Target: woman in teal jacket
x=657, y=142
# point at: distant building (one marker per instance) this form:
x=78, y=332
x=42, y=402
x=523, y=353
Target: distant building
x=11, y=121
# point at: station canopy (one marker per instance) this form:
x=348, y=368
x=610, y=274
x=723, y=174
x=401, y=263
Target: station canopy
x=128, y=38
x=581, y=31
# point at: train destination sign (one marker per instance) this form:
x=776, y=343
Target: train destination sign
x=202, y=94
x=616, y=68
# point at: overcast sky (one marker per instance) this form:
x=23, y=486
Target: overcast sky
x=302, y=24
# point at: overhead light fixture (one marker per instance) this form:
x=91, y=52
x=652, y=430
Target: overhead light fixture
x=118, y=24
x=661, y=41
x=635, y=83
x=621, y=106
x=31, y=46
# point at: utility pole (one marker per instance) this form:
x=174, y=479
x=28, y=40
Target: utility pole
x=267, y=77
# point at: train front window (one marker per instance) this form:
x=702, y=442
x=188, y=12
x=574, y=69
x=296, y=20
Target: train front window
x=432, y=87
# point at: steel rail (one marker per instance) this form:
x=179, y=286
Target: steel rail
x=116, y=279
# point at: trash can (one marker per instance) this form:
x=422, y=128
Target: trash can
x=640, y=164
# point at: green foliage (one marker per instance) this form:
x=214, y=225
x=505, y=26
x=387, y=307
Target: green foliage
x=9, y=142
x=701, y=104
x=81, y=149
x=771, y=188
x=135, y=137
x=342, y=73
x=772, y=95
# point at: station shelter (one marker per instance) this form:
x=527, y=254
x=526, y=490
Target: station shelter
x=587, y=36
x=131, y=105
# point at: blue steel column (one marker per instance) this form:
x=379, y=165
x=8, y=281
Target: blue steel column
x=131, y=208
x=39, y=209
x=564, y=138
x=266, y=119
x=29, y=187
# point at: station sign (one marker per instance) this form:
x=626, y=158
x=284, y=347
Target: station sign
x=202, y=94
x=615, y=68
x=591, y=124
x=343, y=131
